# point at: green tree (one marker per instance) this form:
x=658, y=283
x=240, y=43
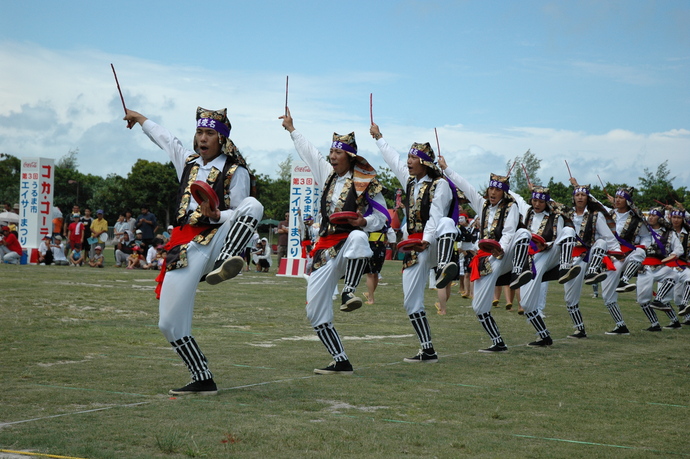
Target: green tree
x=10, y=168
x=518, y=181
x=274, y=195
x=658, y=186
x=285, y=169
x=154, y=184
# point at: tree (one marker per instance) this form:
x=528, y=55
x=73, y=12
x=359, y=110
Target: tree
x=518, y=181
x=10, y=168
x=285, y=169
x=274, y=195
x=658, y=187
x=69, y=161
x=390, y=184
x=155, y=184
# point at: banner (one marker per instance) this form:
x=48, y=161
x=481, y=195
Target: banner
x=35, y=201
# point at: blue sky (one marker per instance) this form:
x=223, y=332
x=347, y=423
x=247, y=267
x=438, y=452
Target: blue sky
x=601, y=84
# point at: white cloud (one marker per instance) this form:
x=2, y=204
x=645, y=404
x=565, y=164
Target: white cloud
x=53, y=101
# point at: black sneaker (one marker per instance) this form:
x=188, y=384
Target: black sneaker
x=447, y=275
x=350, y=302
x=686, y=322
x=624, y=287
x=656, y=304
x=336, y=368
x=619, y=330
x=499, y=347
x=207, y=387
x=594, y=278
x=565, y=275
x=684, y=310
x=653, y=328
x=518, y=280
x=422, y=357
x=673, y=326
x=578, y=334
x=224, y=270
x=542, y=342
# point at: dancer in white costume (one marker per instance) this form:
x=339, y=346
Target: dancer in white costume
x=348, y=184
x=429, y=207
x=207, y=242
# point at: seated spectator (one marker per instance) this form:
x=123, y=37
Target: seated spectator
x=10, y=248
x=123, y=249
x=262, y=256
x=135, y=260
x=59, y=258
x=76, y=257
x=160, y=258
x=45, y=252
x=97, y=260
x=139, y=240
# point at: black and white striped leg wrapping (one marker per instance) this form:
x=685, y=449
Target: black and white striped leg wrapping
x=595, y=258
x=538, y=323
x=650, y=313
x=630, y=271
x=445, y=250
x=353, y=273
x=576, y=317
x=520, y=256
x=490, y=326
x=615, y=312
x=192, y=356
x=330, y=338
x=666, y=286
x=238, y=237
x=567, y=246
x=421, y=327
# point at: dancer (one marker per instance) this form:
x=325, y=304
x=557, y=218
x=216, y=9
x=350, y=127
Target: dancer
x=206, y=240
x=348, y=185
x=429, y=203
x=681, y=292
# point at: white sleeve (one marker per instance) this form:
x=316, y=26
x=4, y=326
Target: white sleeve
x=604, y=232
x=376, y=220
x=394, y=161
x=169, y=143
x=440, y=205
x=320, y=168
x=522, y=204
x=644, y=237
x=510, y=226
x=675, y=245
x=476, y=200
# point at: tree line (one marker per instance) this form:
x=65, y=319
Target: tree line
x=155, y=184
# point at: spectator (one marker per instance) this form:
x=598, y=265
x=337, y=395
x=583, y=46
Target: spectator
x=160, y=259
x=99, y=227
x=151, y=253
x=119, y=229
x=87, y=219
x=57, y=221
x=251, y=245
x=68, y=219
x=75, y=232
x=262, y=256
x=10, y=248
x=76, y=258
x=59, y=258
x=135, y=259
x=139, y=241
x=45, y=252
x=97, y=260
x=123, y=249
x=8, y=207
x=147, y=223
x=131, y=221
x=282, y=232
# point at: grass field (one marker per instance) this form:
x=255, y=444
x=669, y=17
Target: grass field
x=85, y=373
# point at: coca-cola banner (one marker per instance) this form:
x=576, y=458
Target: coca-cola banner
x=304, y=202
x=35, y=201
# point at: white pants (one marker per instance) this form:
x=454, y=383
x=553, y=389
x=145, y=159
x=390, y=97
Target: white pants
x=414, y=278
x=573, y=288
x=176, y=306
x=682, y=279
x=530, y=293
x=484, y=286
x=324, y=281
x=9, y=256
x=646, y=279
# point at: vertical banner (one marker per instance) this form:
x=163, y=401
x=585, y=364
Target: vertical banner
x=304, y=202
x=35, y=201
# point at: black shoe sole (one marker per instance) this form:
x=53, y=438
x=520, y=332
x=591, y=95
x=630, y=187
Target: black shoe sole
x=352, y=305
x=627, y=288
x=229, y=269
x=447, y=275
x=570, y=275
x=521, y=280
x=596, y=279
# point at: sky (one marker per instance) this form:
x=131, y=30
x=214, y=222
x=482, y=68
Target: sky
x=603, y=85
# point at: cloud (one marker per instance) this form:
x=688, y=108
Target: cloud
x=57, y=101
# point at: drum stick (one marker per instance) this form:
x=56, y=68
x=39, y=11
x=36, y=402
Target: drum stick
x=438, y=146
x=371, y=107
x=130, y=124
x=566, y=165
x=286, y=93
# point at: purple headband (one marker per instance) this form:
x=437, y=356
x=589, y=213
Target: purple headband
x=500, y=185
x=624, y=195
x=343, y=146
x=542, y=196
x=581, y=189
x=657, y=213
x=678, y=213
x=421, y=155
x=216, y=125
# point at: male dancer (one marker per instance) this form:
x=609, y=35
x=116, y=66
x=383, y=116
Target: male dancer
x=349, y=184
x=594, y=238
x=554, y=259
x=499, y=219
x=664, y=248
x=428, y=205
x=681, y=291
x=206, y=241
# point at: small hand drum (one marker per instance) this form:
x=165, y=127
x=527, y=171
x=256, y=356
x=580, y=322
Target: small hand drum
x=202, y=191
x=408, y=245
x=537, y=239
x=489, y=245
x=342, y=218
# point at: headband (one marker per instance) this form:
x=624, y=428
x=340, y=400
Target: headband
x=500, y=185
x=343, y=146
x=216, y=125
x=543, y=196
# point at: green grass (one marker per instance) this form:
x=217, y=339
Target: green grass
x=85, y=374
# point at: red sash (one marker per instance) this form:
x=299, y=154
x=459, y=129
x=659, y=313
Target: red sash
x=326, y=242
x=606, y=261
x=474, y=264
x=180, y=235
